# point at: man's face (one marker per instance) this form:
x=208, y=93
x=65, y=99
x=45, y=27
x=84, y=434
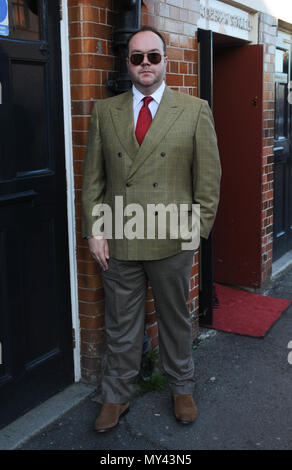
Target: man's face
x=146, y=77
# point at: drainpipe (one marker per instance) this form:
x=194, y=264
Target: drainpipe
x=127, y=22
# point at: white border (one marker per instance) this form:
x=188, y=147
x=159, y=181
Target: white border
x=70, y=185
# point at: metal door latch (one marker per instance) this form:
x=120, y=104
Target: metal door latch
x=255, y=101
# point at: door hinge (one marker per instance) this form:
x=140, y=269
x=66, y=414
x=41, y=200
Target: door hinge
x=73, y=338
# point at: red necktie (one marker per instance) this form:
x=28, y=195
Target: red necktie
x=144, y=120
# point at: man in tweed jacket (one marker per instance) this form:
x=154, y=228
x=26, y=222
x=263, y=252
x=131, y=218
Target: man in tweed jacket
x=177, y=163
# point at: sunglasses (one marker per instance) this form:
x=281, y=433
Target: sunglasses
x=153, y=58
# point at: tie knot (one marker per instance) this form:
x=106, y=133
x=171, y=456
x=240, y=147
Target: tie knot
x=147, y=100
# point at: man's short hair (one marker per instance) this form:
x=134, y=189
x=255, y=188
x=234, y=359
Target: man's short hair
x=152, y=30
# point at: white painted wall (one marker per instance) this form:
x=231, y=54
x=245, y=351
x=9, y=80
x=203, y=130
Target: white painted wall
x=281, y=9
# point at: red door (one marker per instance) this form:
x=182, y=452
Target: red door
x=238, y=113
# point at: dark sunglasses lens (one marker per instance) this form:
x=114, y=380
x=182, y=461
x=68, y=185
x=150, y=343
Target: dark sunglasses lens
x=153, y=57
x=137, y=59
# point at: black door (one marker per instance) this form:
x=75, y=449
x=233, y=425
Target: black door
x=283, y=155
x=35, y=316
x=206, y=287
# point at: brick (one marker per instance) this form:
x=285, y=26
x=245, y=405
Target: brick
x=91, y=323
x=90, y=362
x=89, y=45
x=78, y=152
x=190, y=80
x=174, y=80
x=87, y=267
x=150, y=307
x=173, y=67
x=163, y=10
x=152, y=330
x=80, y=123
x=183, y=66
x=77, y=181
x=90, y=282
x=93, y=309
x=94, y=61
x=174, y=53
x=78, y=169
x=80, y=137
x=82, y=108
x=193, y=5
x=190, y=56
x=173, y=26
x=90, y=336
x=85, y=29
x=84, y=77
x=85, y=92
x=174, y=13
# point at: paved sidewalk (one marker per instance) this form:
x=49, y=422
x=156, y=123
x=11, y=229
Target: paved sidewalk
x=243, y=393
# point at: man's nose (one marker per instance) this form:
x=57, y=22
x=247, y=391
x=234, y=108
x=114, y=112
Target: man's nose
x=145, y=60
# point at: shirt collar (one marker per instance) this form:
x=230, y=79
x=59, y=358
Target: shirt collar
x=157, y=95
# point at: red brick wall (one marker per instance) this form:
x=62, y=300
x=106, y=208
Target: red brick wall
x=267, y=36
x=91, y=60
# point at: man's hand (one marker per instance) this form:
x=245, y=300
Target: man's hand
x=98, y=247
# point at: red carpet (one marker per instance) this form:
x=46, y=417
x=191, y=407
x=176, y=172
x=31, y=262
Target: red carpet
x=244, y=312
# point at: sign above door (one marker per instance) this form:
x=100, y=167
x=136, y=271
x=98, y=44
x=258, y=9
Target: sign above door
x=226, y=19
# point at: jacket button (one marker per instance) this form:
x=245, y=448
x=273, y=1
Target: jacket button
x=155, y=185
x=119, y=154
x=163, y=154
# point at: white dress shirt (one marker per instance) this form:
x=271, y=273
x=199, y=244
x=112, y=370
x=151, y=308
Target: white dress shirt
x=153, y=105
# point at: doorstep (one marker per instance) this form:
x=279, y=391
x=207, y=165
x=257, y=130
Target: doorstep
x=33, y=422
x=281, y=265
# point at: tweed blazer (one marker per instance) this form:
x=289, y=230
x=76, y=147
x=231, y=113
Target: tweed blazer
x=177, y=163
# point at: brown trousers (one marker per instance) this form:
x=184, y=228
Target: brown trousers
x=125, y=285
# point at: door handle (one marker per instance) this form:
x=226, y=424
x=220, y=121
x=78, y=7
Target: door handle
x=255, y=101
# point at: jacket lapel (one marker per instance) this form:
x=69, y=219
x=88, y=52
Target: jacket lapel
x=122, y=117
x=167, y=113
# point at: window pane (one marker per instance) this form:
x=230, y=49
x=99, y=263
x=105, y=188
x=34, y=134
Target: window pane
x=24, y=19
x=282, y=61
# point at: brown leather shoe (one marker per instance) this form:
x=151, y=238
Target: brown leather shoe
x=109, y=416
x=185, y=409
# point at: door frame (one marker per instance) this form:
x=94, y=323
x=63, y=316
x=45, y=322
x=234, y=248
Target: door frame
x=284, y=42
x=65, y=58
x=206, y=277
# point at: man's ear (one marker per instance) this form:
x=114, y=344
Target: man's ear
x=165, y=61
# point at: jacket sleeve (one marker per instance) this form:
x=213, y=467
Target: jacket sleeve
x=93, y=184
x=206, y=169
